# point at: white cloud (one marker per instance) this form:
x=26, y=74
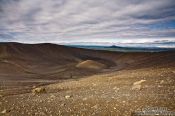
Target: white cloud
x=78, y=20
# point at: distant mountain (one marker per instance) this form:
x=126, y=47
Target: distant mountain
x=125, y=49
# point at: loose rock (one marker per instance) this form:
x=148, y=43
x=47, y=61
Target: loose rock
x=139, y=82
x=38, y=90
x=5, y=111
x=162, y=82
x=137, y=85
x=68, y=96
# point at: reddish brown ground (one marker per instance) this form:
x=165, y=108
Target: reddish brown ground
x=80, y=91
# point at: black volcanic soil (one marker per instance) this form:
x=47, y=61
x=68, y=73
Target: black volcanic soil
x=72, y=90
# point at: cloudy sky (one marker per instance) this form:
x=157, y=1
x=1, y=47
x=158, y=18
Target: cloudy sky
x=87, y=21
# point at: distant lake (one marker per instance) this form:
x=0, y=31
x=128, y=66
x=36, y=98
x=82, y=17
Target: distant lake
x=124, y=49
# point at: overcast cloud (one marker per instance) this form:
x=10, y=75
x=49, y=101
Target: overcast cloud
x=61, y=21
